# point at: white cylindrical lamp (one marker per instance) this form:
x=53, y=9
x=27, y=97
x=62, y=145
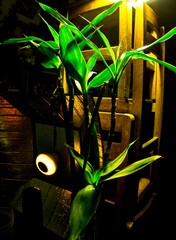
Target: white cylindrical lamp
x=47, y=163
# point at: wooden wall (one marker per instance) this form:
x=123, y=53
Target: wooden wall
x=16, y=150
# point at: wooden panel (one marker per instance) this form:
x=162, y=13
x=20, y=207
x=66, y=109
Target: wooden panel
x=16, y=171
x=151, y=28
x=16, y=157
x=151, y=17
x=4, y=102
x=15, y=144
x=125, y=39
x=14, y=123
x=9, y=110
x=16, y=149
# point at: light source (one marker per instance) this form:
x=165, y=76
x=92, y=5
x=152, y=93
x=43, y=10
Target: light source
x=135, y=3
x=47, y=163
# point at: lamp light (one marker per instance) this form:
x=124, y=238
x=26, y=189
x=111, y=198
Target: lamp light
x=135, y=3
x=47, y=163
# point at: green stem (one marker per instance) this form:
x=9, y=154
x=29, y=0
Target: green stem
x=112, y=126
x=89, y=138
x=68, y=118
x=70, y=132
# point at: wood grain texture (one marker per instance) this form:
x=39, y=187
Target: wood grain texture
x=16, y=148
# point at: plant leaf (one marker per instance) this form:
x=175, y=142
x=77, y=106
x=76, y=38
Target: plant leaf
x=83, y=208
x=134, y=167
x=55, y=14
x=89, y=170
x=102, y=77
x=72, y=56
x=21, y=40
x=107, y=44
x=91, y=62
x=149, y=58
x=102, y=16
x=113, y=164
x=50, y=58
x=164, y=38
x=52, y=31
x=89, y=43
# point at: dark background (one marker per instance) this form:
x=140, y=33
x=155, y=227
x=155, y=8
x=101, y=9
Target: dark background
x=166, y=11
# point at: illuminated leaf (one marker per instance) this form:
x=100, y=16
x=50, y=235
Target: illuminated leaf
x=83, y=208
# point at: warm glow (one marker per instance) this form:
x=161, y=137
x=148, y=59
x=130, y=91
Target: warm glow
x=47, y=163
x=136, y=2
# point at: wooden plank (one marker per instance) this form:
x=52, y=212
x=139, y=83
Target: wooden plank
x=4, y=102
x=150, y=145
x=17, y=157
x=151, y=17
x=16, y=171
x=125, y=39
x=15, y=123
x=16, y=150
x=16, y=144
x=9, y=111
x=17, y=134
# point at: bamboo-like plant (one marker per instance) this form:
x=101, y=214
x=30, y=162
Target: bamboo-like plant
x=65, y=51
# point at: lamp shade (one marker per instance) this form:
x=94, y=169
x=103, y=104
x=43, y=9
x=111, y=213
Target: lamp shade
x=47, y=163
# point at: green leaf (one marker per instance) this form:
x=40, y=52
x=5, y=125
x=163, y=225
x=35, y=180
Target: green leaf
x=50, y=58
x=52, y=31
x=96, y=177
x=83, y=44
x=107, y=45
x=47, y=44
x=21, y=40
x=134, y=167
x=149, y=58
x=55, y=14
x=92, y=141
x=102, y=16
x=164, y=38
x=79, y=34
x=113, y=164
x=72, y=56
x=102, y=77
x=89, y=170
x=121, y=64
x=83, y=208
x=78, y=85
x=91, y=62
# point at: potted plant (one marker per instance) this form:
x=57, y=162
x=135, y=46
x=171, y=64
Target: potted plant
x=64, y=51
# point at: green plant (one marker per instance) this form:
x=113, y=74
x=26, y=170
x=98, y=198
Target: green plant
x=65, y=51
